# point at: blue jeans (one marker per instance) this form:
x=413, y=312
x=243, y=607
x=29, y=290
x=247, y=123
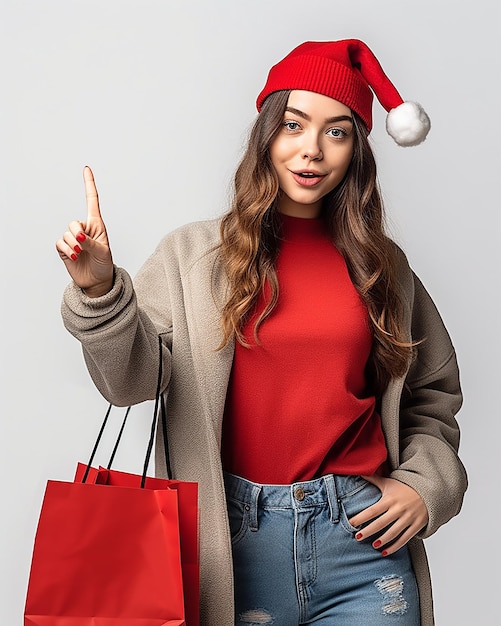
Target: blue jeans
x=296, y=560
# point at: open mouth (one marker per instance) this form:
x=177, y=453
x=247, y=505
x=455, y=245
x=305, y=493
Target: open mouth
x=309, y=174
x=307, y=179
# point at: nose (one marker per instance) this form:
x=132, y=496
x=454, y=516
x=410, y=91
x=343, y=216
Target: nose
x=311, y=147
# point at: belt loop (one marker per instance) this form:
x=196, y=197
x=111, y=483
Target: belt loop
x=330, y=486
x=253, y=519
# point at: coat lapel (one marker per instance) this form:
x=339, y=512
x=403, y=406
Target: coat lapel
x=390, y=401
x=207, y=291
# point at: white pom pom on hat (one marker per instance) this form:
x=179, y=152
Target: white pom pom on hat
x=408, y=124
x=349, y=72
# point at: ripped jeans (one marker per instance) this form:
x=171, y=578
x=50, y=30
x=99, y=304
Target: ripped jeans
x=296, y=560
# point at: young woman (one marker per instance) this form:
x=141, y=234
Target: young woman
x=311, y=384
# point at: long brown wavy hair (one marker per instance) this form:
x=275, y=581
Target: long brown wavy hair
x=354, y=218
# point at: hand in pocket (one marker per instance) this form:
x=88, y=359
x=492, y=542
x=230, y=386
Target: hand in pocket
x=400, y=511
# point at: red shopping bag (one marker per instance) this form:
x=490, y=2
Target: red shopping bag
x=187, y=493
x=106, y=556
x=108, y=548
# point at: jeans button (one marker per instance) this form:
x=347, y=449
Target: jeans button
x=299, y=494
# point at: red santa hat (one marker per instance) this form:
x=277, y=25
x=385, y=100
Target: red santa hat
x=348, y=71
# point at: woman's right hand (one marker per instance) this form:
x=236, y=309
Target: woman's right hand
x=84, y=247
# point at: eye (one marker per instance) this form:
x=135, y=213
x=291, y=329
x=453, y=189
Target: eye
x=291, y=125
x=337, y=133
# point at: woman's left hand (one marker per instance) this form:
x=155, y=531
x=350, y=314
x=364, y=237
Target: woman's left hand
x=400, y=511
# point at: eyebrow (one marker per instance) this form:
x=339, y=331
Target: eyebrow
x=330, y=120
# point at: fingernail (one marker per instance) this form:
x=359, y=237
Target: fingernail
x=77, y=249
x=358, y=536
x=377, y=543
x=74, y=257
x=81, y=237
x=384, y=553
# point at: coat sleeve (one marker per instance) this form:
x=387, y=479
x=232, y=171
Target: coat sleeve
x=119, y=332
x=429, y=433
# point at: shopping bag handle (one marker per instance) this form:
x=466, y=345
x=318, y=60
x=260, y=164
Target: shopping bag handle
x=159, y=402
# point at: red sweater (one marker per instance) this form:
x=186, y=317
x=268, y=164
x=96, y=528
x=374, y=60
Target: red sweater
x=297, y=405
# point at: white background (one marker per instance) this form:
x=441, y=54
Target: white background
x=157, y=97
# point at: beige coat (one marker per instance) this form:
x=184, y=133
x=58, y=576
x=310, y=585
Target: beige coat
x=179, y=293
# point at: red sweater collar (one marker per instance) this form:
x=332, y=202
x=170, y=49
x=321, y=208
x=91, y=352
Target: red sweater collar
x=301, y=229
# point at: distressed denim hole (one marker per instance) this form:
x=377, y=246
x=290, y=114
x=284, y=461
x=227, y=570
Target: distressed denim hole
x=255, y=617
x=392, y=588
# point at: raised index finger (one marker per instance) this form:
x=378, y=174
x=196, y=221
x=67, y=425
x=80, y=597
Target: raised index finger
x=91, y=194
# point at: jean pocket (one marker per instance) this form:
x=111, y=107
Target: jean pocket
x=238, y=517
x=355, y=502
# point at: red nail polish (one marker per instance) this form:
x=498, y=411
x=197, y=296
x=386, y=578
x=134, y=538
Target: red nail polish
x=384, y=553
x=77, y=249
x=377, y=543
x=81, y=237
x=358, y=536
x=74, y=257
